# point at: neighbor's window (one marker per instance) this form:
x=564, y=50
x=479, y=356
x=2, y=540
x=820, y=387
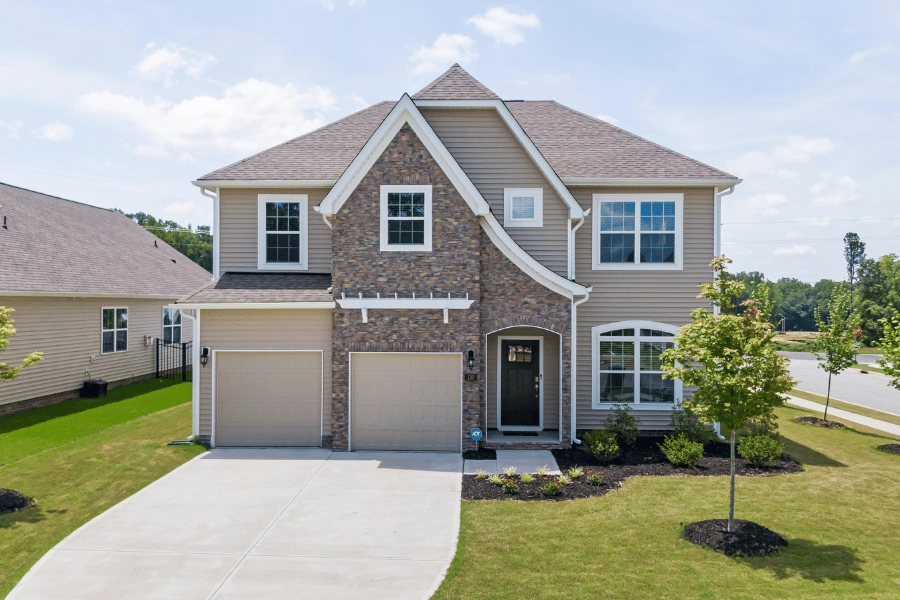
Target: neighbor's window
x=405, y=217
x=171, y=325
x=282, y=231
x=628, y=365
x=523, y=207
x=642, y=230
x=114, y=330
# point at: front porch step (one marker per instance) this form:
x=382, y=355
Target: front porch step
x=544, y=440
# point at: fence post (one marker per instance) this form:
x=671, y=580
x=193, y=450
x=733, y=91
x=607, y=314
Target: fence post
x=184, y=361
x=157, y=358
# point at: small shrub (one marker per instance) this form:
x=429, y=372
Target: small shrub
x=595, y=478
x=481, y=474
x=551, y=488
x=682, y=451
x=760, y=450
x=510, y=487
x=602, y=445
x=563, y=480
x=576, y=472
x=623, y=425
x=686, y=423
x=765, y=425
x=509, y=471
x=526, y=477
x=495, y=479
x=542, y=471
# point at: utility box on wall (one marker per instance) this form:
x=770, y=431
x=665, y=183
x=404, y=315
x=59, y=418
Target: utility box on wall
x=93, y=388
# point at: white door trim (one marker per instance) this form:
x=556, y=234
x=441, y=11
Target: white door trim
x=540, y=339
x=462, y=391
x=212, y=437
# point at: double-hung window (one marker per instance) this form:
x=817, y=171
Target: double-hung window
x=171, y=325
x=114, y=330
x=406, y=218
x=638, y=231
x=523, y=207
x=627, y=361
x=282, y=243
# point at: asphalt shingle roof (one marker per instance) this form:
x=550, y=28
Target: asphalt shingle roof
x=241, y=288
x=52, y=245
x=455, y=84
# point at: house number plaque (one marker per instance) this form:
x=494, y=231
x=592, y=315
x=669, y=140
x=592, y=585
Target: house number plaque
x=471, y=376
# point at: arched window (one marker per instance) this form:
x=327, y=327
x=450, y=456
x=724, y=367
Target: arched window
x=627, y=365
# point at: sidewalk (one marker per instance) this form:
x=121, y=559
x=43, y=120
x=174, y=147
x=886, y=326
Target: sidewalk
x=846, y=415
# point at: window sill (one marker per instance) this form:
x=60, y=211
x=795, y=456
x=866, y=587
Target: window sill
x=410, y=248
x=282, y=267
x=637, y=267
x=638, y=406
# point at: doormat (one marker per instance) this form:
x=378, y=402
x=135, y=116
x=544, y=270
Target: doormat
x=520, y=434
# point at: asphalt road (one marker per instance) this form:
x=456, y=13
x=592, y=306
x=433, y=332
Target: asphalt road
x=870, y=390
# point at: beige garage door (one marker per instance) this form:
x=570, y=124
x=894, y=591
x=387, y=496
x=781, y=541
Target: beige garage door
x=268, y=398
x=405, y=401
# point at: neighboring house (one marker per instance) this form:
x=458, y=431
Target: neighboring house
x=90, y=289
x=445, y=262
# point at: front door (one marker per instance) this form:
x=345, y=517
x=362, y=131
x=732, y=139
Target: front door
x=520, y=383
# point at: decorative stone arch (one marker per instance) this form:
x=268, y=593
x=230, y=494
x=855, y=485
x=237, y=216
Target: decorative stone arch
x=495, y=325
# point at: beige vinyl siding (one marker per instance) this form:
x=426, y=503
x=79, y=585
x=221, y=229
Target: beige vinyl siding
x=494, y=159
x=550, y=348
x=662, y=296
x=238, y=241
x=263, y=330
x=68, y=332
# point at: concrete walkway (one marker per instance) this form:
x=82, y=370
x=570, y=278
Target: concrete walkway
x=846, y=415
x=525, y=461
x=267, y=523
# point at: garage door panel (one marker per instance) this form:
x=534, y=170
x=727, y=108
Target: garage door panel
x=268, y=398
x=405, y=401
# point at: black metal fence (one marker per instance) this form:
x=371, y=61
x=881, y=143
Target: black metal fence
x=173, y=360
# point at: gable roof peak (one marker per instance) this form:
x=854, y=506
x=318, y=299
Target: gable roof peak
x=455, y=84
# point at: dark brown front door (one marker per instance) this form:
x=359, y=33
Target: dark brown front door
x=520, y=383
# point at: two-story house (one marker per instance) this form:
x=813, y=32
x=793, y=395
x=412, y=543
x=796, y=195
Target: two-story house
x=445, y=262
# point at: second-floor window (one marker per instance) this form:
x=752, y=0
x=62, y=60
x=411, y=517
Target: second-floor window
x=282, y=232
x=523, y=207
x=638, y=231
x=406, y=218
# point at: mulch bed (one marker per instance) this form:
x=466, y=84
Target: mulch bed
x=892, y=448
x=820, y=422
x=11, y=501
x=481, y=454
x=644, y=458
x=747, y=539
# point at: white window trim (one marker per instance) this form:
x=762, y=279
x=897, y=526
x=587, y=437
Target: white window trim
x=387, y=189
x=524, y=338
x=537, y=221
x=175, y=311
x=595, y=362
x=115, y=330
x=678, y=265
x=261, y=263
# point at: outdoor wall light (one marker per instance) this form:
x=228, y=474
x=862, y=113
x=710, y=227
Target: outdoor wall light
x=204, y=355
x=471, y=359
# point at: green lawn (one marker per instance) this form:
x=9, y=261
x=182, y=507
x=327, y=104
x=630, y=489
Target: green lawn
x=854, y=408
x=865, y=367
x=840, y=515
x=81, y=457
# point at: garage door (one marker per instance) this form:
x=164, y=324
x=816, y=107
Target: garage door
x=268, y=398
x=405, y=401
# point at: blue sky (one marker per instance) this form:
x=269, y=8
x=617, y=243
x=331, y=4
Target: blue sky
x=123, y=104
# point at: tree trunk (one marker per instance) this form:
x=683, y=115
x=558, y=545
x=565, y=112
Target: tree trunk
x=731, y=504
x=827, y=398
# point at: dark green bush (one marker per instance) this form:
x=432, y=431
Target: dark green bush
x=510, y=487
x=595, y=478
x=682, y=451
x=551, y=488
x=602, y=445
x=686, y=423
x=623, y=425
x=760, y=450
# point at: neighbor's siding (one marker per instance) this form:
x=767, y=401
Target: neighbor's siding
x=67, y=331
x=239, y=234
x=550, y=348
x=494, y=159
x=263, y=330
x=663, y=296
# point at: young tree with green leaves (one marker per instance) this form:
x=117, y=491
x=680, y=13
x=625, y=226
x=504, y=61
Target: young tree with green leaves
x=730, y=360
x=7, y=331
x=890, y=348
x=835, y=346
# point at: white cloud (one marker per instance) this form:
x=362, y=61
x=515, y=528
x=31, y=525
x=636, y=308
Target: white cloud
x=152, y=150
x=796, y=150
x=787, y=173
x=446, y=50
x=356, y=101
x=831, y=191
x=504, y=26
x=845, y=181
x=795, y=250
x=765, y=204
x=182, y=211
x=11, y=127
x=250, y=116
x=356, y=2
x=871, y=52
x=54, y=132
x=164, y=63
x=801, y=149
x=329, y=4
x=608, y=118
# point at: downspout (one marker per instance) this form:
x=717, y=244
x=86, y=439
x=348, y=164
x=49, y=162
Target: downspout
x=195, y=375
x=574, y=367
x=572, y=231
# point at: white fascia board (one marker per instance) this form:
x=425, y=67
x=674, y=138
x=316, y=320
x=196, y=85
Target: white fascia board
x=648, y=182
x=575, y=210
x=406, y=303
x=25, y=293
x=527, y=263
x=404, y=111
x=254, y=305
x=211, y=184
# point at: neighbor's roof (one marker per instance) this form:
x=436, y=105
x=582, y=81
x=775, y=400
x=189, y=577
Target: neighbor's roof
x=575, y=145
x=263, y=288
x=57, y=246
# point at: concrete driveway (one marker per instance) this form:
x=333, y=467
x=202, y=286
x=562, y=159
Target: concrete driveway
x=268, y=523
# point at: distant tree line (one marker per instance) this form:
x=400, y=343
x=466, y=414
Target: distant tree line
x=195, y=243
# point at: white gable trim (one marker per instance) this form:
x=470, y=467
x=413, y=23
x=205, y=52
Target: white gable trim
x=575, y=210
x=404, y=112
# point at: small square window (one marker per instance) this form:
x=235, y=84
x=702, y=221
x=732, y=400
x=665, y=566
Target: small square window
x=406, y=218
x=523, y=207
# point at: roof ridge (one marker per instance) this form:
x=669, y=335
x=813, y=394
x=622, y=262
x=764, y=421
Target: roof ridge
x=462, y=76
x=439, y=79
